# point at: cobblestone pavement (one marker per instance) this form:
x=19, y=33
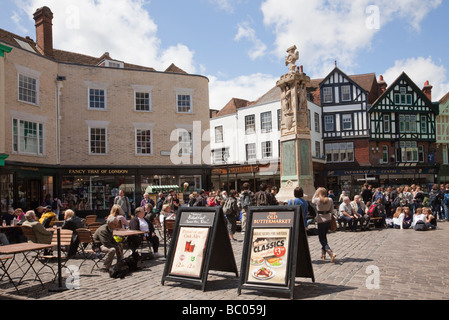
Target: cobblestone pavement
x=410, y=264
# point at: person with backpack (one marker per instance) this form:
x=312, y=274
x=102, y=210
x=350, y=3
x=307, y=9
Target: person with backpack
x=263, y=198
x=231, y=211
x=446, y=202
x=246, y=200
x=435, y=196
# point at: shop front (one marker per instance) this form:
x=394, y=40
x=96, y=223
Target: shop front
x=91, y=190
x=352, y=181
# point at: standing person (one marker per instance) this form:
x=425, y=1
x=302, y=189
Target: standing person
x=446, y=202
x=108, y=245
x=246, y=200
x=366, y=193
x=56, y=206
x=435, y=196
x=231, y=210
x=298, y=201
x=324, y=206
x=124, y=204
x=159, y=203
x=263, y=198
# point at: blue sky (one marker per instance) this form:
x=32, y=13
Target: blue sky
x=240, y=44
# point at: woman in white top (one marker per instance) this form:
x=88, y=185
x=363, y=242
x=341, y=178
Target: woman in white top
x=324, y=207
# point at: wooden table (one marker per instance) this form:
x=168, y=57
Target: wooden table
x=23, y=248
x=127, y=233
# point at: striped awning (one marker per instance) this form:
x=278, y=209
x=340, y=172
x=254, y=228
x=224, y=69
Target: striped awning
x=153, y=189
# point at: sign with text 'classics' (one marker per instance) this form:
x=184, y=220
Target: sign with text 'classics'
x=275, y=250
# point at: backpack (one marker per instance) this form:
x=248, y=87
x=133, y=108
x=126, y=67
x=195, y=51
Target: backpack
x=227, y=207
x=246, y=201
x=372, y=209
x=446, y=199
x=262, y=199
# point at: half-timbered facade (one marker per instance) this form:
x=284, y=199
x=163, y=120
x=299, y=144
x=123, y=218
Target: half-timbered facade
x=345, y=101
x=443, y=140
x=403, y=134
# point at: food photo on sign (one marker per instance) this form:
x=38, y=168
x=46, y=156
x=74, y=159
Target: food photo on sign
x=268, y=259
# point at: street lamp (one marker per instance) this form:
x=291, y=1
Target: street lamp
x=225, y=156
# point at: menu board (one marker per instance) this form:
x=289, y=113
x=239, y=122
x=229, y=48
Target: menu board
x=200, y=243
x=269, y=254
x=189, y=253
x=275, y=245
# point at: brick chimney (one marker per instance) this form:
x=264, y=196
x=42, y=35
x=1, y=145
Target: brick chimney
x=427, y=90
x=382, y=84
x=44, y=30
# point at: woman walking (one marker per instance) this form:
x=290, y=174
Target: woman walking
x=324, y=206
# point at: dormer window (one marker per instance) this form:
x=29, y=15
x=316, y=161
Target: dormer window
x=111, y=64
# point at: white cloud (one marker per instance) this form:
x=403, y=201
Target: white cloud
x=226, y=5
x=123, y=28
x=249, y=87
x=325, y=31
x=246, y=32
x=421, y=70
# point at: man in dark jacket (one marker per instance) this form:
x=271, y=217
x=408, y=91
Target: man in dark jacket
x=72, y=222
x=141, y=222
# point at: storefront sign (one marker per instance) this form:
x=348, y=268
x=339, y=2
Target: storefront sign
x=200, y=242
x=276, y=249
x=98, y=172
x=405, y=170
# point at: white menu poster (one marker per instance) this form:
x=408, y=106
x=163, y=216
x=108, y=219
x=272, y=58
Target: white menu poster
x=269, y=256
x=189, y=253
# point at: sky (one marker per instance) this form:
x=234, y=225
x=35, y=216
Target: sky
x=240, y=45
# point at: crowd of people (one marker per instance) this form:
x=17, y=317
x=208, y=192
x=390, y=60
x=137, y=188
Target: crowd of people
x=405, y=207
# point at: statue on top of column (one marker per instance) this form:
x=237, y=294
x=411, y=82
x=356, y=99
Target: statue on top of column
x=291, y=59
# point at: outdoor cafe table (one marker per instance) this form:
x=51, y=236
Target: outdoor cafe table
x=24, y=248
x=127, y=233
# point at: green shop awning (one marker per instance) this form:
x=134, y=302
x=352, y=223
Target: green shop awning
x=153, y=189
x=3, y=157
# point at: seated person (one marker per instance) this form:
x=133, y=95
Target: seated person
x=3, y=239
x=42, y=234
x=116, y=211
x=408, y=218
x=347, y=213
x=72, y=222
x=431, y=221
x=361, y=212
x=108, y=245
x=48, y=214
x=142, y=223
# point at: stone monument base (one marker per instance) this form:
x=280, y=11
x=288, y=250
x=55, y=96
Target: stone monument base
x=287, y=190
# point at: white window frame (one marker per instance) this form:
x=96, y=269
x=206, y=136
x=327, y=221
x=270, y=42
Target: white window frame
x=183, y=144
x=250, y=125
x=251, y=151
x=184, y=92
x=105, y=94
x=150, y=142
x=114, y=64
x=219, y=134
x=348, y=93
x=327, y=123
x=92, y=124
x=328, y=93
x=31, y=74
x=17, y=139
x=339, y=152
x=143, y=90
x=345, y=120
x=267, y=150
x=266, y=123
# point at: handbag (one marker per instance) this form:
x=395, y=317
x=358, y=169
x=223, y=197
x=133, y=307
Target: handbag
x=333, y=224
